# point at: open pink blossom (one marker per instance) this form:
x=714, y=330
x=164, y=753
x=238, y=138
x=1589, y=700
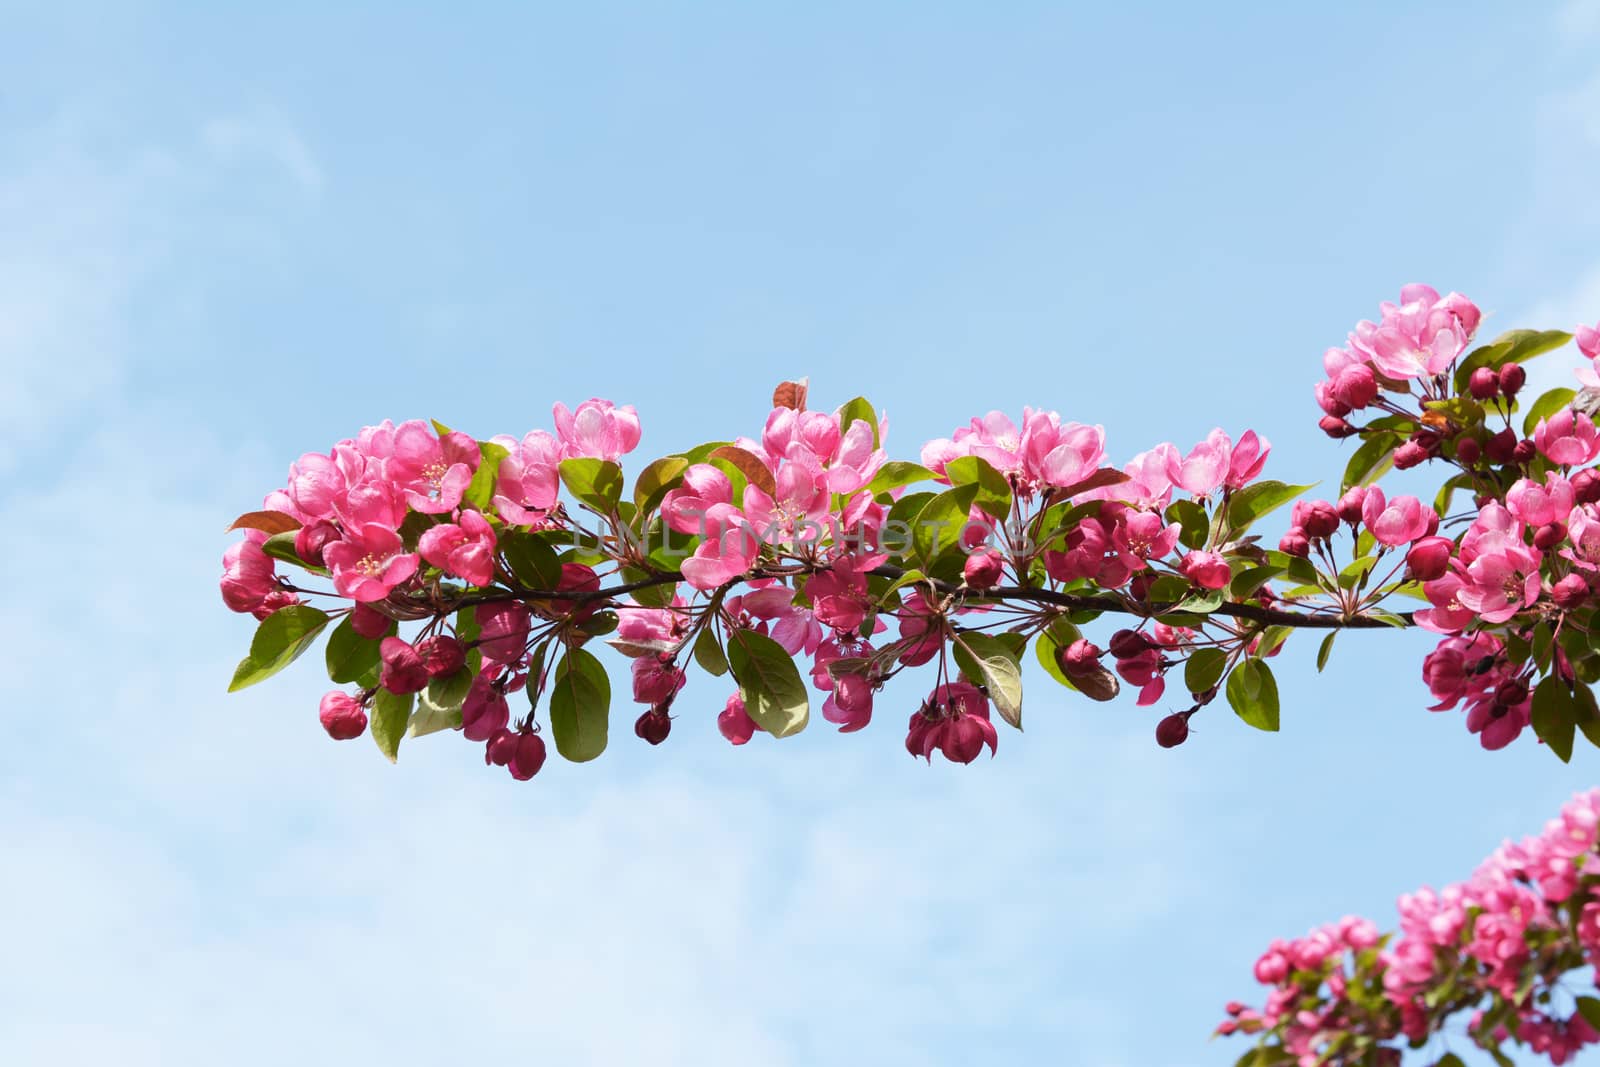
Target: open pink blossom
x=799, y=512
x=599, y=429
x=432, y=471
x=1140, y=536
x=1568, y=438
x=856, y=459
x=1398, y=521
x=529, y=477
x=1537, y=504
x=727, y=551
x=791, y=434
x=465, y=549
x=1248, y=457
x=317, y=483
x=771, y=610
x=1501, y=583
x=1588, y=339
x=369, y=562
x=1059, y=454
x=1205, y=467
x=839, y=595
x=1422, y=335
x=684, y=508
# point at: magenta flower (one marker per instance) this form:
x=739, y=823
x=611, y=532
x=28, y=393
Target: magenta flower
x=1568, y=438
x=598, y=429
x=839, y=596
x=485, y=711
x=527, y=757
x=1205, y=467
x=370, y=561
x=404, y=670
x=1140, y=536
x=1498, y=584
x=433, y=472
x=1208, y=570
x=1448, y=615
x=249, y=575
x=376, y=500
x=772, y=611
x=684, y=509
x=342, y=716
x=465, y=549
x=727, y=551
x=734, y=723
x=317, y=483
x=1399, y=521
x=1249, y=456
x=797, y=515
x=503, y=633
x=1537, y=504
x=529, y=478
x=656, y=679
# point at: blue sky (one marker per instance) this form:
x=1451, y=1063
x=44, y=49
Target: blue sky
x=228, y=236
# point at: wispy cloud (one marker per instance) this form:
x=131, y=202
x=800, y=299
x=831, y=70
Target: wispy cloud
x=264, y=135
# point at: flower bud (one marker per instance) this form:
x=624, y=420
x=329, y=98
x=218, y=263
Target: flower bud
x=1350, y=505
x=1207, y=570
x=653, y=726
x=309, y=541
x=1549, y=536
x=1484, y=383
x=501, y=747
x=984, y=569
x=1410, y=454
x=1173, y=730
x=1429, y=558
x=442, y=654
x=1570, y=592
x=1125, y=644
x=1080, y=662
x=1524, y=452
x=1329, y=402
x=1139, y=588
x=1295, y=543
x=1468, y=450
x=369, y=622
x=1512, y=377
x=342, y=716
x=527, y=757
x=1317, y=518
x=1511, y=692
x=1335, y=427
x=1356, y=387
x=735, y=723
x=403, y=670
x=1501, y=446
x=1586, y=486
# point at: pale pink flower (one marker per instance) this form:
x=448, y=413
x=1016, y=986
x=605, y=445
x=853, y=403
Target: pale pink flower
x=1588, y=339
x=1568, y=438
x=1249, y=456
x=855, y=461
x=369, y=562
x=465, y=549
x=1399, y=521
x=1422, y=335
x=599, y=429
x=1537, y=504
x=1501, y=583
x=1448, y=615
x=726, y=552
x=432, y=471
x=704, y=486
x=1205, y=467
x=529, y=477
x=1059, y=454
x=798, y=513
x=790, y=433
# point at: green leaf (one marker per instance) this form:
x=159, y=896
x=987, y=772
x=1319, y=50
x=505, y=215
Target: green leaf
x=896, y=473
x=281, y=546
x=450, y=691
x=1248, y=582
x=433, y=716
x=1555, y=716
x=1253, y=694
x=350, y=656
x=278, y=642
x=774, y=694
x=1589, y=1008
x=657, y=480
x=481, y=489
x=1547, y=405
x=596, y=482
x=391, y=715
x=708, y=653
x=1192, y=517
x=1324, y=650
x=859, y=409
x=1058, y=635
x=998, y=667
x=1262, y=498
x=580, y=706
x=994, y=492
x=1369, y=462
x=938, y=525
x=1204, y=669
x=1449, y=1059
x=533, y=563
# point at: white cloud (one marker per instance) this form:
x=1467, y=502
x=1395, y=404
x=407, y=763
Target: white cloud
x=264, y=135
x=1579, y=21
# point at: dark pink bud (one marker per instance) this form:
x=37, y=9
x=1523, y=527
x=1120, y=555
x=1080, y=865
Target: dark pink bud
x=1429, y=558
x=984, y=569
x=403, y=670
x=1501, y=446
x=1080, y=662
x=1468, y=450
x=1234, y=1008
x=309, y=541
x=1586, y=486
x=653, y=726
x=527, y=758
x=1139, y=588
x=1335, y=427
x=1484, y=383
x=1125, y=644
x=1570, y=592
x=1410, y=455
x=1549, y=536
x=1173, y=730
x=1226, y=1028
x=1511, y=692
x=442, y=654
x=1350, y=504
x=1295, y=543
x=1208, y=570
x=342, y=716
x=501, y=747
x=1512, y=377
x=484, y=711
x=1356, y=386
x=369, y=622
x=1317, y=518
x=1080, y=653
x=1329, y=402
x=1524, y=452
x=963, y=739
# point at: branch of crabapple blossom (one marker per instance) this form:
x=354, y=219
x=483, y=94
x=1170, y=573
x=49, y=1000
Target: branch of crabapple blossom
x=806, y=555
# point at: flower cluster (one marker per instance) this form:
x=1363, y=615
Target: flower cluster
x=1497, y=950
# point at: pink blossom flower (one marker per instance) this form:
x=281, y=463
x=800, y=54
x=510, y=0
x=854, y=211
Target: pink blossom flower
x=1567, y=438
x=1205, y=467
x=727, y=551
x=369, y=562
x=1399, y=521
x=527, y=757
x=375, y=500
x=771, y=610
x=1448, y=615
x=791, y=434
x=839, y=595
x=1498, y=584
x=403, y=669
x=856, y=460
x=485, y=711
x=465, y=549
x=1248, y=457
x=318, y=482
x=1588, y=338
x=797, y=514
x=1537, y=504
x=598, y=429
x=1140, y=536
x=656, y=679
x=1421, y=336
x=734, y=723
x=953, y=720
x=249, y=575
x=503, y=630
x=1059, y=454
x=529, y=479
x=433, y=472
x=704, y=486
x=342, y=716
x=1208, y=570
